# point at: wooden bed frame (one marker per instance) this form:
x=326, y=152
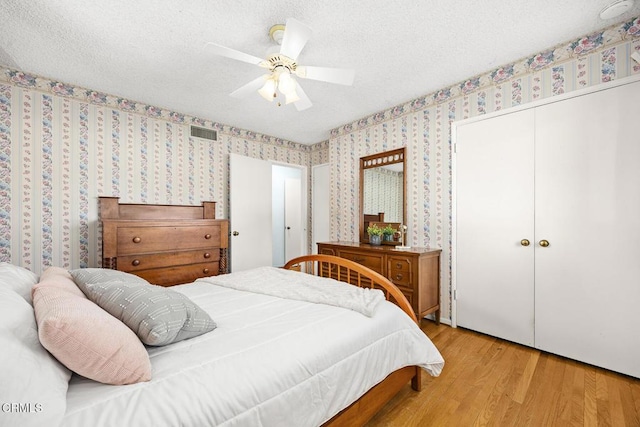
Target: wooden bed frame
x=361, y=411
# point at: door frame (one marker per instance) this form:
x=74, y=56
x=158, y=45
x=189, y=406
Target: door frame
x=455, y=124
x=304, y=200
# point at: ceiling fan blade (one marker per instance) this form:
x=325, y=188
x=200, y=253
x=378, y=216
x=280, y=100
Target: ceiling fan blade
x=341, y=76
x=304, y=102
x=296, y=35
x=216, y=49
x=250, y=87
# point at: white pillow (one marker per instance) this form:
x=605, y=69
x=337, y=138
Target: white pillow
x=34, y=383
x=17, y=279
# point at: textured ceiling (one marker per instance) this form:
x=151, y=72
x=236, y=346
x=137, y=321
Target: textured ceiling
x=151, y=51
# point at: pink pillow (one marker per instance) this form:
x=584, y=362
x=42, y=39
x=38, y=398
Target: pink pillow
x=59, y=278
x=84, y=337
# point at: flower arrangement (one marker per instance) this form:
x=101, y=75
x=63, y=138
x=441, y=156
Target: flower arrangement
x=388, y=230
x=375, y=234
x=374, y=230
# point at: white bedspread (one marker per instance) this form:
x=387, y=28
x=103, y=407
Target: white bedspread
x=270, y=362
x=302, y=287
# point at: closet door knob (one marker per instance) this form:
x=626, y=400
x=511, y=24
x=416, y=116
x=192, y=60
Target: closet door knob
x=524, y=242
x=544, y=243
x=235, y=233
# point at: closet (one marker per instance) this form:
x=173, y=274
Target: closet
x=546, y=226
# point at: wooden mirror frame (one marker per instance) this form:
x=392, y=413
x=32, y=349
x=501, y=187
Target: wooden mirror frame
x=376, y=160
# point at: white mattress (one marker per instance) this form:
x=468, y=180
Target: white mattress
x=270, y=362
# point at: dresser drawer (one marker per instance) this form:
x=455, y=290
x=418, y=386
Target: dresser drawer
x=400, y=270
x=168, y=276
x=408, y=293
x=326, y=251
x=136, y=240
x=372, y=261
x=400, y=278
x=397, y=263
x=139, y=262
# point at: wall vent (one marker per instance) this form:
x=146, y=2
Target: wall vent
x=204, y=133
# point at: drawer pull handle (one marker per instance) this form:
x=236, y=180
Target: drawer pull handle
x=207, y=255
x=207, y=236
x=135, y=262
x=205, y=271
x=358, y=259
x=398, y=276
x=398, y=265
x=137, y=240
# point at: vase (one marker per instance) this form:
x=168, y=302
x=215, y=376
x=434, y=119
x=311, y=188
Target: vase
x=375, y=239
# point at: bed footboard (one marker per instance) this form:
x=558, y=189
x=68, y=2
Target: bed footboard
x=353, y=273
x=345, y=270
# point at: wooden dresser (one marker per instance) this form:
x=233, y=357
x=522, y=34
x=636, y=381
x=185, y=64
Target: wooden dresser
x=415, y=271
x=164, y=244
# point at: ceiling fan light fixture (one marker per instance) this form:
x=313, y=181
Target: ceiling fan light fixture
x=281, y=64
x=268, y=89
x=286, y=84
x=291, y=97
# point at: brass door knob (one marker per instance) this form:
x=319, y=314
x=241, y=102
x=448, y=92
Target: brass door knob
x=524, y=242
x=544, y=243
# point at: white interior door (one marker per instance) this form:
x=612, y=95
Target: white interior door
x=321, y=203
x=588, y=208
x=493, y=203
x=293, y=219
x=250, y=212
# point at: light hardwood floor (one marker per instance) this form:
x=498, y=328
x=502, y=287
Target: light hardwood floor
x=489, y=381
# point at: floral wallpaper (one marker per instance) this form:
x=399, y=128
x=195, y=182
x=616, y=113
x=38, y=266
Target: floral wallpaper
x=62, y=146
x=423, y=125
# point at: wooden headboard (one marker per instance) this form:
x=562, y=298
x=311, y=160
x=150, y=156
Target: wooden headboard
x=164, y=244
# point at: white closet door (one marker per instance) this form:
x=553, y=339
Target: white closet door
x=493, y=212
x=588, y=208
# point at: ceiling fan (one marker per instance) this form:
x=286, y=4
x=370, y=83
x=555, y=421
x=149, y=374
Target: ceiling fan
x=282, y=67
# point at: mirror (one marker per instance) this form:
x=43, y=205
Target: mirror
x=383, y=192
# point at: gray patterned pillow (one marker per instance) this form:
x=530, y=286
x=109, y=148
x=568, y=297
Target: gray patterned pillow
x=159, y=316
